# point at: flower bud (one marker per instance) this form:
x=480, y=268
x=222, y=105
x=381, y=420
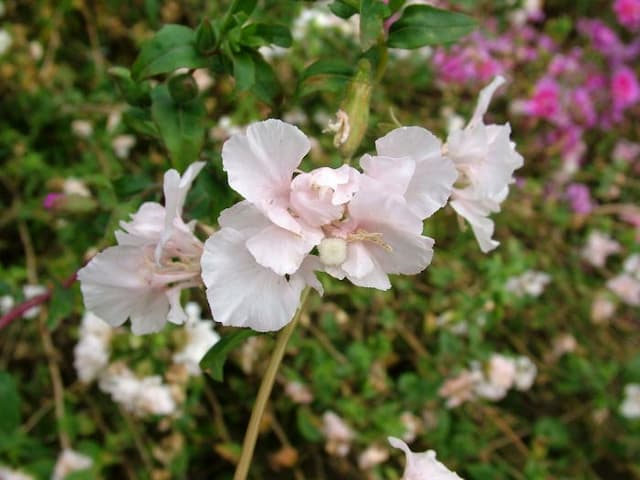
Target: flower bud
x=356, y=107
x=183, y=88
x=205, y=37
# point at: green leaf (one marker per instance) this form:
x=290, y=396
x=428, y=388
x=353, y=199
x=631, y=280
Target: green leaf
x=372, y=15
x=259, y=34
x=213, y=361
x=171, y=48
x=422, y=25
x=244, y=6
x=181, y=126
x=325, y=75
x=134, y=93
x=243, y=70
x=10, y=401
x=139, y=120
x=342, y=9
x=60, y=305
x=267, y=85
x=130, y=184
x=306, y=427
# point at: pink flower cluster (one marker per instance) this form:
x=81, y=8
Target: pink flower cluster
x=359, y=225
x=628, y=13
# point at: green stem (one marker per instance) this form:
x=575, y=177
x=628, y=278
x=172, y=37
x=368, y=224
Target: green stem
x=264, y=392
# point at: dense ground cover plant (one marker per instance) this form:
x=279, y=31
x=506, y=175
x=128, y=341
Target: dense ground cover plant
x=519, y=364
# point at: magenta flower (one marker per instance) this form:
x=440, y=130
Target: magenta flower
x=625, y=89
x=51, y=199
x=579, y=198
x=628, y=13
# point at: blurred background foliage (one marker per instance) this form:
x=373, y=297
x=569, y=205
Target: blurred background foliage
x=374, y=358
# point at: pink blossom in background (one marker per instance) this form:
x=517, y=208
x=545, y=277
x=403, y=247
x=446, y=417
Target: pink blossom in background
x=51, y=199
x=628, y=13
x=545, y=102
x=602, y=37
x=579, y=198
x=625, y=89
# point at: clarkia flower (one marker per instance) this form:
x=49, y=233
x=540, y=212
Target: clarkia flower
x=422, y=466
x=156, y=257
x=485, y=159
x=628, y=13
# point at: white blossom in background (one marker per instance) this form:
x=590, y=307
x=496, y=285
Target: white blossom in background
x=599, y=246
x=461, y=388
x=7, y=302
x=203, y=79
x=91, y=353
x=372, y=456
x=122, y=145
x=10, y=474
x=526, y=372
x=35, y=50
x=298, y=392
x=75, y=186
x=29, y=292
x=530, y=10
x=627, y=287
x=498, y=377
x=412, y=424
x=338, y=435
x=140, y=396
x=563, y=344
x=225, y=129
x=530, y=283
x=270, y=52
x=485, y=158
x=320, y=16
x=82, y=128
x=156, y=257
x=200, y=338
x=5, y=41
x=631, y=266
x=602, y=309
x=70, y=461
x=630, y=407
x=422, y=466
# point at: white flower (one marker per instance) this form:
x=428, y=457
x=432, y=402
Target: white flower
x=422, y=466
x=122, y=145
x=201, y=337
x=630, y=407
x=32, y=291
x=461, y=388
x=140, y=396
x=632, y=266
x=68, y=462
x=498, y=378
x=5, y=41
x=627, y=287
x=602, y=309
x=91, y=353
x=530, y=283
x=158, y=255
x=9, y=474
x=74, y=186
x=82, y=128
x=298, y=392
x=486, y=159
x=526, y=372
x=337, y=433
x=599, y=246
x=6, y=303
x=372, y=456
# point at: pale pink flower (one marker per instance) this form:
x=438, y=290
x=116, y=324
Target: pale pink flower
x=461, y=388
x=526, y=372
x=10, y=474
x=298, y=392
x=599, y=246
x=602, y=309
x=338, y=435
x=627, y=287
x=485, y=159
x=200, y=338
x=91, y=353
x=70, y=461
x=372, y=456
x=630, y=407
x=422, y=466
x=156, y=257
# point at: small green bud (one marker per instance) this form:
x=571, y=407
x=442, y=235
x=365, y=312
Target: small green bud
x=183, y=88
x=136, y=94
x=205, y=37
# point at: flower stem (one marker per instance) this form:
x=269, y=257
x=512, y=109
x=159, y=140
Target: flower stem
x=264, y=392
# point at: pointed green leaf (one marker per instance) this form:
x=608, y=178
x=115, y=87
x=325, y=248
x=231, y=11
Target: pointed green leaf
x=243, y=70
x=181, y=126
x=422, y=25
x=60, y=305
x=173, y=47
x=342, y=9
x=325, y=75
x=259, y=34
x=139, y=120
x=372, y=15
x=213, y=361
x=267, y=85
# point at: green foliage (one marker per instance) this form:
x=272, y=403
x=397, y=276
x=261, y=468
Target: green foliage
x=173, y=47
x=372, y=15
x=10, y=401
x=213, y=362
x=181, y=126
x=422, y=25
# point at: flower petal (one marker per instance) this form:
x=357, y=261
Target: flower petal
x=243, y=293
x=476, y=210
x=484, y=99
x=422, y=466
